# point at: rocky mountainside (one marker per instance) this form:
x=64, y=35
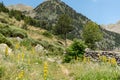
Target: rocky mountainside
x=20, y=7
x=50, y=10
x=47, y=15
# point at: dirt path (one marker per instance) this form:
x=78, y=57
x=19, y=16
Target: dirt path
x=65, y=71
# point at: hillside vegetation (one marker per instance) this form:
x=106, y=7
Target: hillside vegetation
x=56, y=8
x=30, y=51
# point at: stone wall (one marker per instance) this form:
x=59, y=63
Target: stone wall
x=95, y=55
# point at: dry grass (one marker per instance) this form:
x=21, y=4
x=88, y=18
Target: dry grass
x=32, y=65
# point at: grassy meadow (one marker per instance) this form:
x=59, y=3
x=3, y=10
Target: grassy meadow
x=23, y=64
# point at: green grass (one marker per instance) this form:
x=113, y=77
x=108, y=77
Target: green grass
x=5, y=40
x=93, y=71
x=33, y=67
x=11, y=31
x=47, y=34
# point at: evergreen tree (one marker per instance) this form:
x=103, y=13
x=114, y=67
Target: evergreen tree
x=63, y=26
x=3, y=8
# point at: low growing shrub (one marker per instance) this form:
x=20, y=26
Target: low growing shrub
x=12, y=32
x=3, y=39
x=47, y=34
x=75, y=50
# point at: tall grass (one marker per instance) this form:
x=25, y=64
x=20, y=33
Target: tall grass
x=28, y=65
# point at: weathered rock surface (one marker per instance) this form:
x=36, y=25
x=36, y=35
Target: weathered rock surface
x=3, y=48
x=94, y=55
x=39, y=48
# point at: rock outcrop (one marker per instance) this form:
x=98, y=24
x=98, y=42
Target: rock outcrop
x=3, y=48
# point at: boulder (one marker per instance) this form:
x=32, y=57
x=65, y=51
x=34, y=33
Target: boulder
x=39, y=48
x=19, y=39
x=3, y=48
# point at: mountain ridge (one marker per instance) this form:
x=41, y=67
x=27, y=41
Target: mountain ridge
x=113, y=27
x=20, y=7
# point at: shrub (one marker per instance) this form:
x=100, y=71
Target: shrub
x=19, y=33
x=45, y=44
x=12, y=32
x=47, y=34
x=27, y=42
x=75, y=50
x=3, y=39
x=3, y=21
x=17, y=14
x=25, y=27
x=3, y=8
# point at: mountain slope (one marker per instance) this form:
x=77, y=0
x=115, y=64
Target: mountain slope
x=50, y=10
x=113, y=27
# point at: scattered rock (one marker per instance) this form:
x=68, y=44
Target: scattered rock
x=39, y=48
x=19, y=39
x=3, y=47
x=94, y=55
x=50, y=59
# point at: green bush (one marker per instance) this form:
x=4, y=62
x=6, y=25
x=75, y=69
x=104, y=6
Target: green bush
x=3, y=21
x=47, y=34
x=75, y=50
x=16, y=14
x=3, y=39
x=45, y=44
x=3, y=8
x=27, y=42
x=25, y=27
x=19, y=33
x=12, y=32
x=53, y=48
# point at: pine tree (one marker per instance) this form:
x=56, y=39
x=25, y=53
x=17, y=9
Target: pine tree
x=63, y=26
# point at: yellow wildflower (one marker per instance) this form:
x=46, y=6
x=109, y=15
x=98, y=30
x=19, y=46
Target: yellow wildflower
x=18, y=57
x=17, y=46
x=45, y=70
x=104, y=58
x=23, y=55
x=6, y=51
x=113, y=61
x=84, y=59
x=88, y=60
x=33, y=51
x=21, y=74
